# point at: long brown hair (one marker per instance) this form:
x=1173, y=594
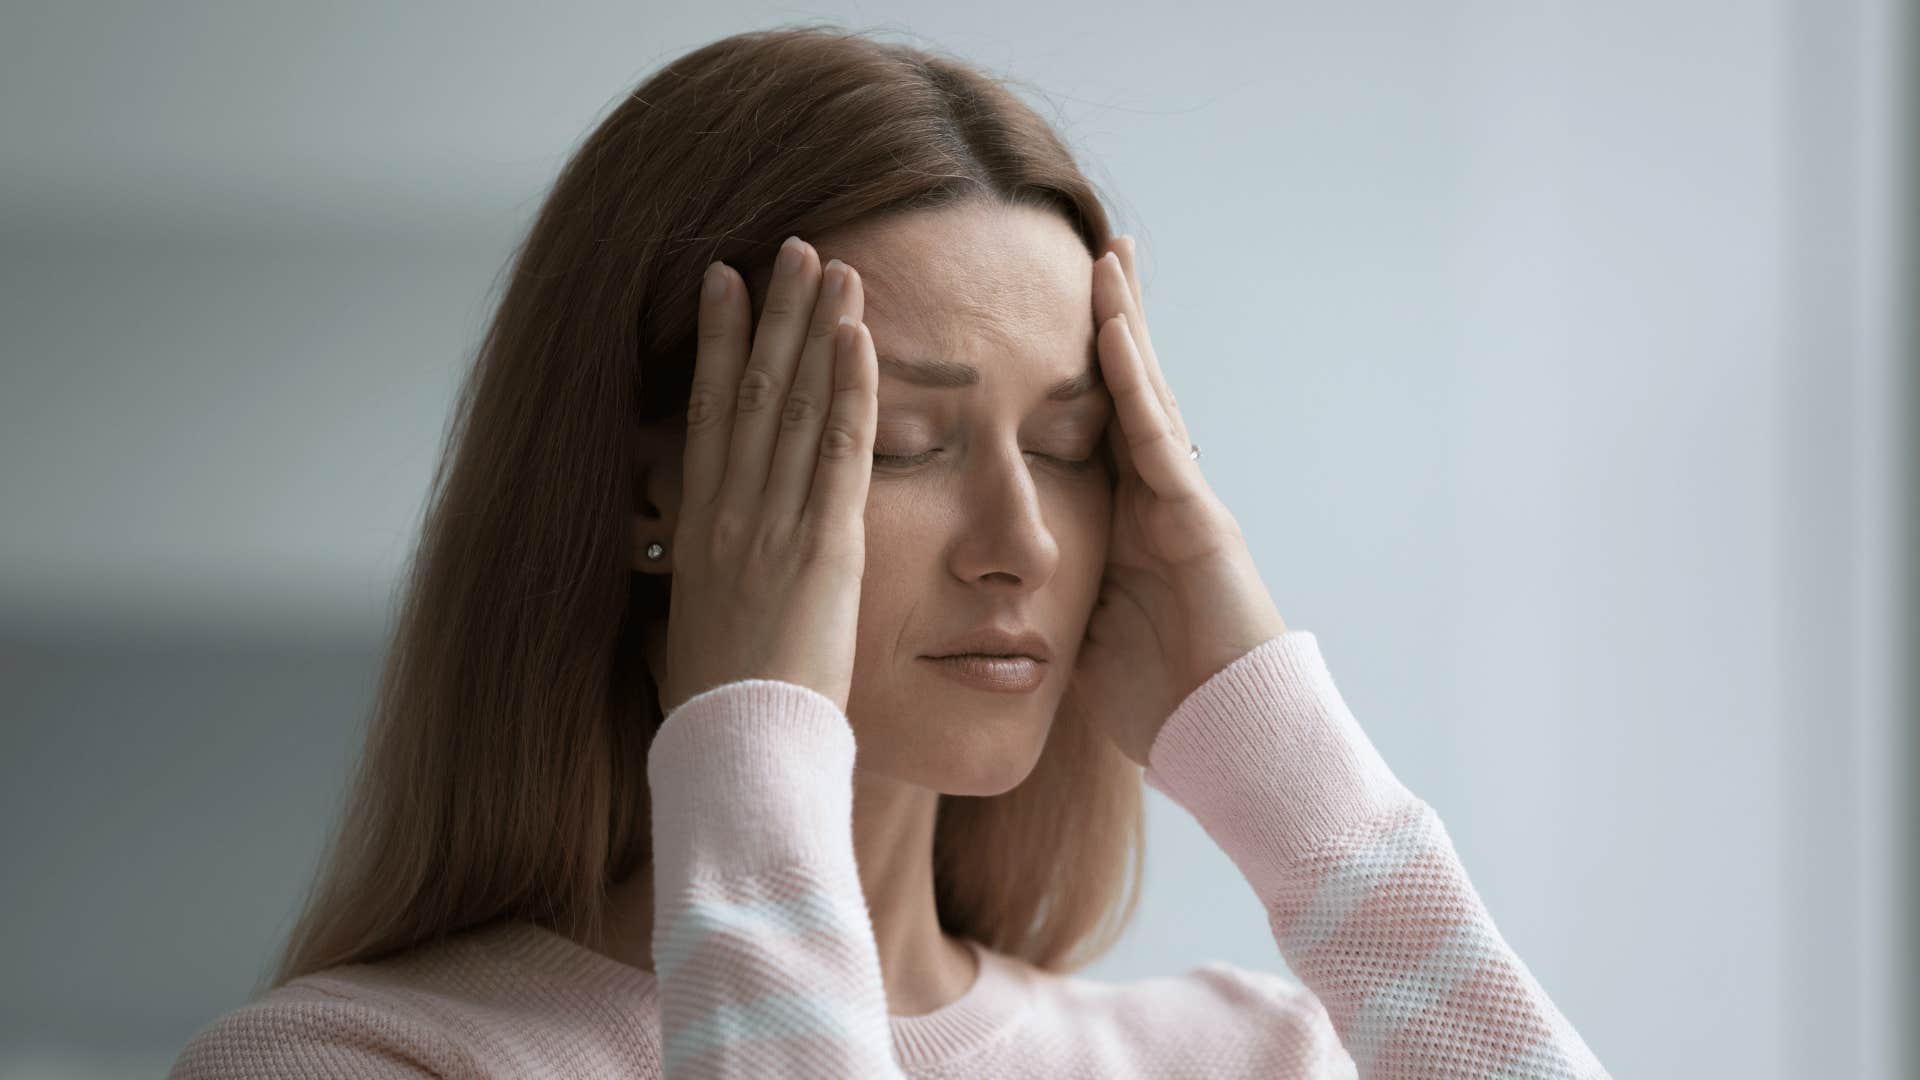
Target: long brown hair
x=504, y=772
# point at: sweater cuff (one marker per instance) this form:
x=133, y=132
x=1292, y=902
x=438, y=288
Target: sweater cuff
x=748, y=775
x=1266, y=756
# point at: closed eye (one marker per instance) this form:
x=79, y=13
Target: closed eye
x=907, y=461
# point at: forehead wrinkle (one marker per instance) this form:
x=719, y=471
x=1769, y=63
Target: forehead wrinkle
x=986, y=279
x=957, y=305
x=982, y=300
x=960, y=328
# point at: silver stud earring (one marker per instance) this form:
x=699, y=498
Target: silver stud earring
x=655, y=550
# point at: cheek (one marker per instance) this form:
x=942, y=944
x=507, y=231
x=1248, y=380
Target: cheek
x=899, y=541
x=1085, y=509
x=1086, y=530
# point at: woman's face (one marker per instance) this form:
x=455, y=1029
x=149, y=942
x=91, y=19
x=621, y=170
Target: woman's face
x=1002, y=516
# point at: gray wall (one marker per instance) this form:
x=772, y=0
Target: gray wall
x=1550, y=355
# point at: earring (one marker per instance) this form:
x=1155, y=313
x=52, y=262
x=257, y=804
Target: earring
x=655, y=550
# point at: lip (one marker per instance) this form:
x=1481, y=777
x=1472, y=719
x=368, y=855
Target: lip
x=1004, y=674
x=996, y=641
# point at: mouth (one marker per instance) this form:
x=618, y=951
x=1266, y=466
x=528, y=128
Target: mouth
x=1000, y=673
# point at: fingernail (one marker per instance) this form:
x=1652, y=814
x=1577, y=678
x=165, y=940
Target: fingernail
x=834, y=281
x=716, y=281
x=790, y=255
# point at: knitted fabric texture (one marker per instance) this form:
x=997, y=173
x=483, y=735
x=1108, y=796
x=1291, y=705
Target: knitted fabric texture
x=766, y=966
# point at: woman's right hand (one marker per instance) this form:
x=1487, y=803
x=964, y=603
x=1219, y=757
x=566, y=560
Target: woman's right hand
x=771, y=539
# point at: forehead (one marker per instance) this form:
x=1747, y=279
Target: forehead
x=982, y=283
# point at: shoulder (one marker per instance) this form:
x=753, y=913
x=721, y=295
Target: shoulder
x=1238, y=1021
x=1271, y=1018
x=311, y=1028
x=448, y=1008
x=423, y=1011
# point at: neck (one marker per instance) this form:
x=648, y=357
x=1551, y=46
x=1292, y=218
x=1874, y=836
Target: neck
x=893, y=822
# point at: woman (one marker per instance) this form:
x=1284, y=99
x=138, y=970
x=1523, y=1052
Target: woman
x=920, y=488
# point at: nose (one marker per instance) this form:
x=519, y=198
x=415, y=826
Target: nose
x=1004, y=539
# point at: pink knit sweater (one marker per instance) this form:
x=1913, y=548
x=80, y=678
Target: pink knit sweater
x=767, y=965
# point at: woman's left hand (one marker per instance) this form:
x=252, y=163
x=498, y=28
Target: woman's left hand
x=1181, y=598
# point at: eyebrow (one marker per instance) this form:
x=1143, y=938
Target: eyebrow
x=950, y=374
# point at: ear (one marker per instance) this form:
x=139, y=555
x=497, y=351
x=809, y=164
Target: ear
x=655, y=464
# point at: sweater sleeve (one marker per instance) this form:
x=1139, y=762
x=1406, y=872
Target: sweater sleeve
x=1364, y=893
x=762, y=942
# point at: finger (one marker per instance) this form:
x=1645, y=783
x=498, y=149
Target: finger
x=1123, y=247
x=719, y=355
x=1124, y=296
x=798, y=453
x=1116, y=291
x=1158, y=452
x=762, y=396
x=845, y=468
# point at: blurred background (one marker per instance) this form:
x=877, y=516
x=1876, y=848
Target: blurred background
x=1559, y=361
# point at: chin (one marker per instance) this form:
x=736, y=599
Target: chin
x=996, y=749
x=957, y=746
x=984, y=779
